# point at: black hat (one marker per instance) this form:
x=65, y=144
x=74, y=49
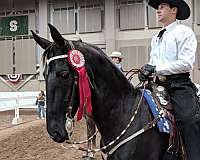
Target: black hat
x=183, y=8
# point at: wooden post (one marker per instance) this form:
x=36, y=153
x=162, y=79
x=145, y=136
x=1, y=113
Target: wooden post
x=16, y=120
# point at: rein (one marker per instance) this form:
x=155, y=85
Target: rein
x=133, y=72
x=139, y=132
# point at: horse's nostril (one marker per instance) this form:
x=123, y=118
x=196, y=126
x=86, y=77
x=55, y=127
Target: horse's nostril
x=58, y=137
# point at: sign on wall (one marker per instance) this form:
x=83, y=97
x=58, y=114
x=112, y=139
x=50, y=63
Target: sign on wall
x=12, y=26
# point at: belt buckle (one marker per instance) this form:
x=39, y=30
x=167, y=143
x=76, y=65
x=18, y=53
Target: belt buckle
x=162, y=78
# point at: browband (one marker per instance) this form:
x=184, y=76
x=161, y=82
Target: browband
x=56, y=57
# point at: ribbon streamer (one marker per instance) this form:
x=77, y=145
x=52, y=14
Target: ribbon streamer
x=84, y=93
x=77, y=61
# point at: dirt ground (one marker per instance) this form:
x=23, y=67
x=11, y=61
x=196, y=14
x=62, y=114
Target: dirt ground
x=30, y=141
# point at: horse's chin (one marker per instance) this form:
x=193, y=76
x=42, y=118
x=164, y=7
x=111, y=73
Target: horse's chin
x=58, y=137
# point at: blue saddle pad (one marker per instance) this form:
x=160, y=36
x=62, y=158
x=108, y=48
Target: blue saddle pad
x=163, y=124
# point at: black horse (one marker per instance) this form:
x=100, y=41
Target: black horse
x=62, y=99
x=114, y=100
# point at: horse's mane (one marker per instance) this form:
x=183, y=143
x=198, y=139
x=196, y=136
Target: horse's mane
x=79, y=44
x=102, y=54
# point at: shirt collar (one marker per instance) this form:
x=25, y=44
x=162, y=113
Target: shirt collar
x=171, y=26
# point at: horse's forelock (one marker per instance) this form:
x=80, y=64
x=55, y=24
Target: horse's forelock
x=44, y=55
x=46, y=52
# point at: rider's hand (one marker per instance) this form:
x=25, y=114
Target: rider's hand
x=146, y=72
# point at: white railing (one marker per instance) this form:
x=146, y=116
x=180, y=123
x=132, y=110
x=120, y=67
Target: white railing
x=17, y=100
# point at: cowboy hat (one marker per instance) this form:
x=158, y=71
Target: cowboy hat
x=116, y=54
x=183, y=8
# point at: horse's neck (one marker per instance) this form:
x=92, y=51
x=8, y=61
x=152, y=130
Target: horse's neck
x=114, y=86
x=113, y=103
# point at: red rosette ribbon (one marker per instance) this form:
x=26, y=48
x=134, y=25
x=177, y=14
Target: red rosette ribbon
x=77, y=61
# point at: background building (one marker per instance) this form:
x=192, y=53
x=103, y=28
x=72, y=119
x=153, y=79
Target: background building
x=124, y=25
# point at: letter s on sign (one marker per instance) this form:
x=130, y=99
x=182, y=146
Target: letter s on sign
x=13, y=25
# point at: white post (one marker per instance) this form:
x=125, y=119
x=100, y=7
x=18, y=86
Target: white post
x=16, y=120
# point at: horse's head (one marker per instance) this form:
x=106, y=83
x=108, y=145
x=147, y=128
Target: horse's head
x=59, y=79
x=105, y=79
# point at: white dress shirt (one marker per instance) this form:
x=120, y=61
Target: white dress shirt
x=175, y=52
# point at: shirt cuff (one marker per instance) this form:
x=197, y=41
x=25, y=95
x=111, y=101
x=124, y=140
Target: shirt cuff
x=161, y=69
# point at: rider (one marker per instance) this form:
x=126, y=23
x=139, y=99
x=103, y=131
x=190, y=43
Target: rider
x=172, y=58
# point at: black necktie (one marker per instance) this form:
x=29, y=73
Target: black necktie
x=161, y=33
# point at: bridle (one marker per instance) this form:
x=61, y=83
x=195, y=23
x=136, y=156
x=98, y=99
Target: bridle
x=63, y=56
x=69, y=119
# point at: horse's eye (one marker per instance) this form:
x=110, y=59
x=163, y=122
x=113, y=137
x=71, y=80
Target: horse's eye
x=64, y=74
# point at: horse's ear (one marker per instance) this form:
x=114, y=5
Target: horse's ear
x=44, y=43
x=56, y=36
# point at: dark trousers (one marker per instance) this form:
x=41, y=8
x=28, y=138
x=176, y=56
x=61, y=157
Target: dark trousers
x=186, y=110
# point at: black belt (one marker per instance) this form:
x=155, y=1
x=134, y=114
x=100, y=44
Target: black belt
x=164, y=78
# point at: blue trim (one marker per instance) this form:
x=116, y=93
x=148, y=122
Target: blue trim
x=163, y=124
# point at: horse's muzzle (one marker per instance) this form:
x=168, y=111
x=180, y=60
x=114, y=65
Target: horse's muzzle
x=57, y=137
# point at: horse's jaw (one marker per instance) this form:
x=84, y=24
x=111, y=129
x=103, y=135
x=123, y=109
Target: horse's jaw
x=56, y=126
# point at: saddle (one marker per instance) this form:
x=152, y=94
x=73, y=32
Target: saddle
x=161, y=97
x=176, y=147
